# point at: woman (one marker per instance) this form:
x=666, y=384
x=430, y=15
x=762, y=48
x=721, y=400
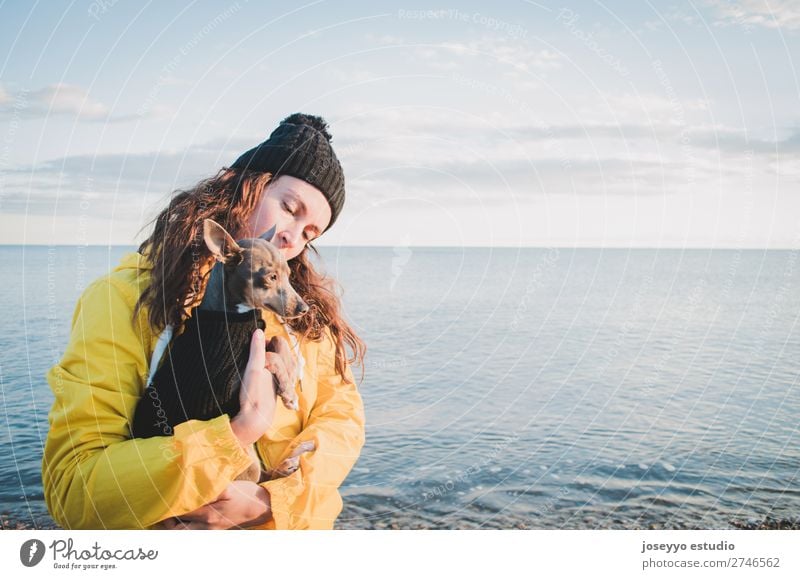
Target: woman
x=96, y=477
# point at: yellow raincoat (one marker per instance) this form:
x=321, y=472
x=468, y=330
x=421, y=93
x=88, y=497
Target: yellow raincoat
x=95, y=477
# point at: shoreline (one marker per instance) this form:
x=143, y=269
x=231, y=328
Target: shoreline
x=9, y=523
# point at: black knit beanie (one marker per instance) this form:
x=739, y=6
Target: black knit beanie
x=300, y=147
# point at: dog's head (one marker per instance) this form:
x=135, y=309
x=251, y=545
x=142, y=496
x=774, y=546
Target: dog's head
x=256, y=274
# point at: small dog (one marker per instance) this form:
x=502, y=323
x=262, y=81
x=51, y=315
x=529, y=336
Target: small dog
x=249, y=275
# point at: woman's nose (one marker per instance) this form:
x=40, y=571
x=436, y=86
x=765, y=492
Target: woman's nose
x=287, y=238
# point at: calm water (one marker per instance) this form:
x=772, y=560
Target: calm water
x=511, y=388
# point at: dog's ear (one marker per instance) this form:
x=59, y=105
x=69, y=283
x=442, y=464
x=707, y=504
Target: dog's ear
x=220, y=242
x=269, y=234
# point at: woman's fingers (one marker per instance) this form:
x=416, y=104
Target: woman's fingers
x=207, y=517
x=255, y=363
x=194, y=526
x=257, y=396
x=243, y=503
x=257, y=348
x=174, y=524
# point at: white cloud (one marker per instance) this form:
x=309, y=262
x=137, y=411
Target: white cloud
x=384, y=39
x=64, y=100
x=737, y=141
x=514, y=54
x=348, y=76
x=622, y=116
x=672, y=14
x=647, y=109
x=766, y=13
x=448, y=159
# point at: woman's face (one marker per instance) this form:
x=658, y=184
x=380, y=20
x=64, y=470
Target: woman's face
x=298, y=210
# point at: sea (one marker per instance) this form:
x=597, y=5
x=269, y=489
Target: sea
x=508, y=388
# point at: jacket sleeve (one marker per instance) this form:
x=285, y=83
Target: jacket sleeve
x=309, y=498
x=94, y=476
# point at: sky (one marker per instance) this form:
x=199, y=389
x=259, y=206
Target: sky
x=569, y=123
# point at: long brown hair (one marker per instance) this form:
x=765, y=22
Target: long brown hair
x=178, y=254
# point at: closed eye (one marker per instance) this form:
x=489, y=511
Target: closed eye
x=296, y=207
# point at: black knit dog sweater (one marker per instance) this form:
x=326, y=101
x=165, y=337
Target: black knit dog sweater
x=200, y=375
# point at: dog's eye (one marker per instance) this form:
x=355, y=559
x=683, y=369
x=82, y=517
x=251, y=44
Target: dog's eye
x=273, y=277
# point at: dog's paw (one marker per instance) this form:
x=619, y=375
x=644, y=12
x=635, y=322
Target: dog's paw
x=292, y=463
x=287, y=467
x=290, y=402
x=305, y=446
x=289, y=398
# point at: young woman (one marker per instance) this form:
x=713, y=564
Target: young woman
x=95, y=476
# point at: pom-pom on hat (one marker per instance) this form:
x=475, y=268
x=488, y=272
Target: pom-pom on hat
x=300, y=147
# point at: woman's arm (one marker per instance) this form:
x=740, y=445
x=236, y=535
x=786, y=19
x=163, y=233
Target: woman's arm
x=309, y=498
x=94, y=476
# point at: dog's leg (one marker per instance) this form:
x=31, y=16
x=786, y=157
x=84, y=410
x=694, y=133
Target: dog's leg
x=284, y=382
x=289, y=397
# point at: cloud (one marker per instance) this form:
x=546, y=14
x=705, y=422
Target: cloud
x=62, y=100
x=109, y=180
x=515, y=54
x=644, y=108
x=351, y=75
x=65, y=99
x=441, y=156
x=622, y=117
x=672, y=14
x=736, y=141
x=384, y=39
x=767, y=13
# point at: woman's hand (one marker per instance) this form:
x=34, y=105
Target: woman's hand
x=257, y=395
x=259, y=387
x=242, y=504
